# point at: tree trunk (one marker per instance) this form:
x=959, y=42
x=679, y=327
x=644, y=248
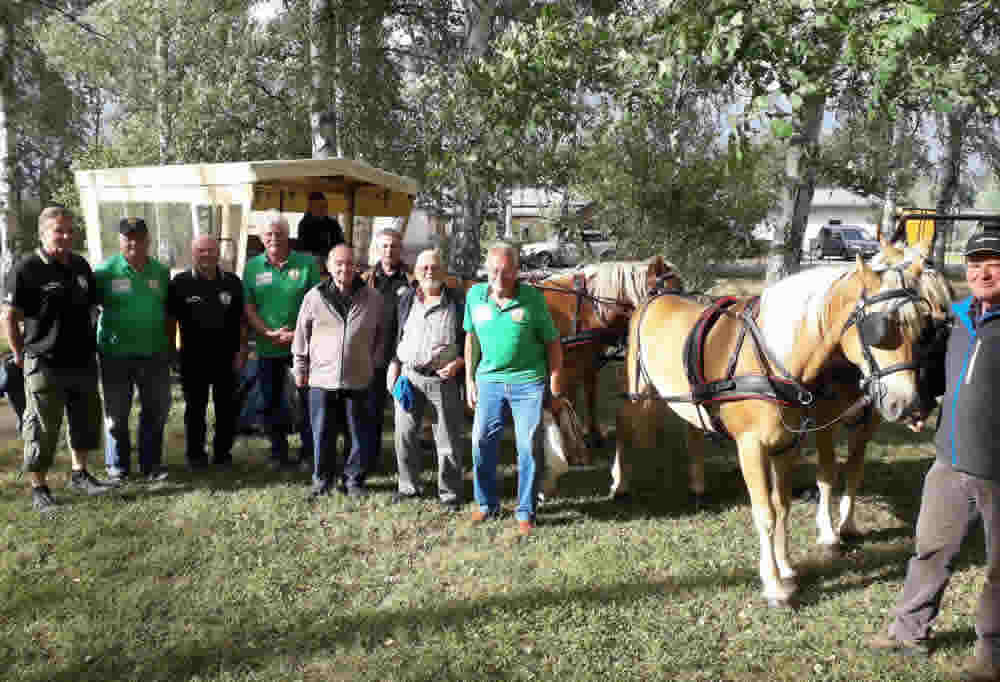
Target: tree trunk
x=785, y=254
x=7, y=145
x=952, y=162
x=322, y=58
x=888, y=222
x=478, y=20
x=162, y=49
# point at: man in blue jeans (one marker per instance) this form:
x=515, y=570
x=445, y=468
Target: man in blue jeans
x=511, y=347
x=134, y=344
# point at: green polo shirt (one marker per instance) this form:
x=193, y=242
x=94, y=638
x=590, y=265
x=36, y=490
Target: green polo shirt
x=277, y=293
x=133, y=307
x=513, y=338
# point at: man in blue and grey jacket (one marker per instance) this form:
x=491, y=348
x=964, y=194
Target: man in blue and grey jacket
x=964, y=482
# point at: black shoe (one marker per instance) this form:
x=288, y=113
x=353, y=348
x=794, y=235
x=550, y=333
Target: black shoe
x=222, y=461
x=318, y=490
x=398, y=497
x=83, y=482
x=197, y=463
x=454, y=504
x=304, y=464
x=282, y=464
x=357, y=492
x=42, y=500
x=157, y=475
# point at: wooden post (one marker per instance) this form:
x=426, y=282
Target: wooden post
x=350, y=193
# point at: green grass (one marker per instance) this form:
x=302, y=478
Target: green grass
x=236, y=577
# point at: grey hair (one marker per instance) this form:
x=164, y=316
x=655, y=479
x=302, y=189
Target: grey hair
x=275, y=218
x=434, y=252
x=389, y=232
x=504, y=247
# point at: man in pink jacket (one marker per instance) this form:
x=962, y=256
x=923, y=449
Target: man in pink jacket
x=338, y=335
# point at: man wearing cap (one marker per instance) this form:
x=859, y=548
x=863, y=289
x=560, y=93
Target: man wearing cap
x=318, y=231
x=207, y=302
x=390, y=277
x=964, y=482
x=133, y=338
x=274, y=284
x=52, y=291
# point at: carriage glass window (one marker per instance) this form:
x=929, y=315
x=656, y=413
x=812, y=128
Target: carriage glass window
x=173, y=240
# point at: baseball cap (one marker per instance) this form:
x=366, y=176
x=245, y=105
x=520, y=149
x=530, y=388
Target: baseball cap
x=132, y=225
x=987, y=241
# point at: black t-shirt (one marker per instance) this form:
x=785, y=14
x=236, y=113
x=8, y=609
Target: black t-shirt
x=318, y=234
x=209, y=311
x=57, y=302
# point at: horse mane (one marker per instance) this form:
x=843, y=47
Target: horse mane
x=805, y=293
x=618, y=280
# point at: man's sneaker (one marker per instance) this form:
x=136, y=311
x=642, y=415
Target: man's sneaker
x=906, y=647
x=318, y=490
x=480, y=516
x=197, y=463
x=157, y=475
x=117, y=478
x=525, y=527
x=452, y=504
x=222, y=461
x=42, y=500
x=83, y=482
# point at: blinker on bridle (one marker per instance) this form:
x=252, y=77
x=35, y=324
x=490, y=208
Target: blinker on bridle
x=873, y=330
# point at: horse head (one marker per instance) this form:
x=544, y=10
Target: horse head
x=881, y=318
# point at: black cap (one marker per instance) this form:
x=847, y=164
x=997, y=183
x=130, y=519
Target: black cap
x=987, y=241
x=132, y=225
x=313, y=196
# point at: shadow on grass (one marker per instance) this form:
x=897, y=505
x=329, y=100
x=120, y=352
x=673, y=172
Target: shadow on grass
x=322, y=630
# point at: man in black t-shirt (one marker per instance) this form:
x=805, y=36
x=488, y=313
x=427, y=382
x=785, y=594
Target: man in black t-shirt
x=52, y=291
x=318, y=232
x=208, y=304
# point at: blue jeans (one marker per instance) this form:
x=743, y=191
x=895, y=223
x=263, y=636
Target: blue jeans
x=333, y=413
x=525, y=402
x=120, y=376
x=273, y=379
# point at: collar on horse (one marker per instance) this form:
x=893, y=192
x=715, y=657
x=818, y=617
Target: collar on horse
x=603, y=335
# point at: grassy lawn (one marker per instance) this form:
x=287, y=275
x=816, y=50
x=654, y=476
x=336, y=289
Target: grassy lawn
x=234, y=576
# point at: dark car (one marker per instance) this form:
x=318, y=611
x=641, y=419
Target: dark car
x=842, y=241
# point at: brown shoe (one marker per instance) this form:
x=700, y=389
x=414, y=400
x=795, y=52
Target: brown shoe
x=906, y=647
x=525, y=527
x=480, y=516
x=979, y=671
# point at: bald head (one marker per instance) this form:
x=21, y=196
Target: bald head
x=340, y=263
x=428, y=271
x=205, y=255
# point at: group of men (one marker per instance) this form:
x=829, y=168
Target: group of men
x=349, y=340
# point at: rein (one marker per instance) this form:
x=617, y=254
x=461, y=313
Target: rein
x=604, y=335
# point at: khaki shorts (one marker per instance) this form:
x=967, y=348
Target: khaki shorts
x=49, y=392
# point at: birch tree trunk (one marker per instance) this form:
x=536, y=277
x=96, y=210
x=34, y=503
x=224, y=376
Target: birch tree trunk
x=7, y=145
x=892, y=182
x=162, y=49
x=322, y=57
x=952, y=162
x=800, y=175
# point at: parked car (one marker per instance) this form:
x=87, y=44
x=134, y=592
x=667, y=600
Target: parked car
x=563, y=249
x=842, y=241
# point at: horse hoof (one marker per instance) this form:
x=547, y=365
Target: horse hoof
x=777, y=603
x=830, y=552
x=623, y=498
x=698, y=501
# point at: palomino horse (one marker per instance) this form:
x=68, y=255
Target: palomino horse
x=751, y=375
x=933, y=288
x=591, y=309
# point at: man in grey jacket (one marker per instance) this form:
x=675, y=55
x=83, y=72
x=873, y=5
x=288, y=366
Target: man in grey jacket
x=963, y=485
x=338, y=335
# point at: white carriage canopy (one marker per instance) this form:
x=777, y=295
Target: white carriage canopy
x=224, y=200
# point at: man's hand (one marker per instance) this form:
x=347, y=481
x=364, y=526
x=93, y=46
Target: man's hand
x=556, y=404
x=391, y=374
x=451, y=369
x=240, y=360
x=471, y=393
x=19, y=360
x=302, y=380
x=282, y=336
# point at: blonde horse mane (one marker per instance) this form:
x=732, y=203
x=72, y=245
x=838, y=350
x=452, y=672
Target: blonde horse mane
x=624, y=280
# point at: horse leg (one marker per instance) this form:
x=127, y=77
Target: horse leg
x=696, y=464
x=854, y=472
x=826, y=477
x=756, y=474
x=780, y=495
x=621, y=469
x=594, y=438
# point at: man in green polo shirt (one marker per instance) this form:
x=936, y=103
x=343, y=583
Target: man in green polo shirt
x=134, y=345
x=521, y=353
x=275, y=282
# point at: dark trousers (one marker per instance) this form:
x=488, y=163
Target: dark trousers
x=951, y=503
x=333, y=413
x=274, y=379
x=197, y=376
x=376, y=422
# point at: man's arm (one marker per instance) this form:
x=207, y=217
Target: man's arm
x=12, y=319
x=279, y=336
x=472, y=356
x=555, y=355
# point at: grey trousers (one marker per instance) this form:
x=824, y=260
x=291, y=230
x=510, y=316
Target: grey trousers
x=447, y=412
x=950, y=505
